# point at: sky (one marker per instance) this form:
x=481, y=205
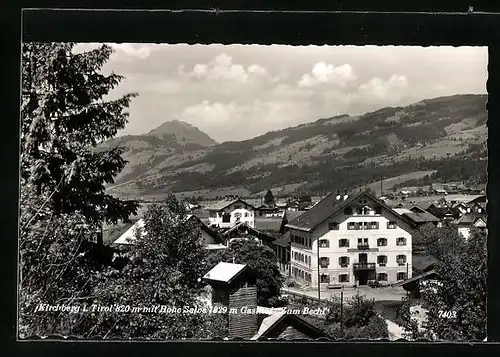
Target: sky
x=237, y=92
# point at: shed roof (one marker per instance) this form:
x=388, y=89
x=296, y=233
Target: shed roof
x=225, y=272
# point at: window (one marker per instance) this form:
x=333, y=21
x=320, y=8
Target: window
x=226, y=218
x=324, y=262
x=324, y=278
x=391, y=225
x=382, y=260
x=351, y=226
x=246, y=214
x=343, y=278
x=358, y=226
x=237, y=215
x=378, y=210
x=401, y=241
x=344, y=262
x=324, y=243
x=373, y=225
x=401, y=276
x=344, y=243
x=333, y=226
x=381, y=242
x=366, y=210
x=348, y=211
x=401, y=259
x=359, y=210
x=382, y=276
x=237, y=206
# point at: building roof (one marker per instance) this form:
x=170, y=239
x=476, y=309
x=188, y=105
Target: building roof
x=225, y=203
x=215, y=246
x=270, y=323
x=128, y=238
x=470, y=218
x=402, y=210
x=427, y=274
x=253, y=231
x=284, y=240
x=225, y=272
x=268, y=224
x=291, y=215
x=421, y=217
x=329, y=206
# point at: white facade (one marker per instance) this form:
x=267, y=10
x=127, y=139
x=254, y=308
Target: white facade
x=233, y=214
x=354, y=248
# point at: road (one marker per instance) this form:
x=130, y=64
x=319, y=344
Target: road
x=379, y=294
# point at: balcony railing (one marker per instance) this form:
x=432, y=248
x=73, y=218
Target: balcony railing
x=363, y=246
x=364, y=266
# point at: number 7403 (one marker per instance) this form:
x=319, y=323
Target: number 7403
x=447, y=314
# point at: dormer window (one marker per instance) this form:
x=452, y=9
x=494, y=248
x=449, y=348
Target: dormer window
x=378, y=210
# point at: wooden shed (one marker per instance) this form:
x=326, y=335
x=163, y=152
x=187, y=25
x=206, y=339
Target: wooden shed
x=234, y=286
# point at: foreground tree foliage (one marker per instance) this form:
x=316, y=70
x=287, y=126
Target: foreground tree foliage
x=261, y=259
x=64, y=118
x=359, y=319
x=63, y=200
x=456, y=302
x=165, y=268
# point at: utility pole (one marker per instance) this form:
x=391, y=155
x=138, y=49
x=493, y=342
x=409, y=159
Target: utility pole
x=407, y=266
x=319, y=280
x=381, y=187
x=342, y=312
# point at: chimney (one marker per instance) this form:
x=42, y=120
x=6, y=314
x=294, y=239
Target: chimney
x=345, y=195
x=338, y=195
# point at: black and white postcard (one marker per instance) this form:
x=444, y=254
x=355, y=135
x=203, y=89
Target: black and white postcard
x=194, y=192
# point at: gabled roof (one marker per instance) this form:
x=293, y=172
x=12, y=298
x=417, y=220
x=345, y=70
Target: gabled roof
x=270, y=324
x=291, y=215
x=284, y=240
x=268, y=224
x=225, y=203
x=421, y=217
x=329, y=206
x=470, y=218
x=253, y=231
x=225, y=272
x=427, y=274
x=128, y=238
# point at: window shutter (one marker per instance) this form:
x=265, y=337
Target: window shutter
x=348, y=260
x=340, y=260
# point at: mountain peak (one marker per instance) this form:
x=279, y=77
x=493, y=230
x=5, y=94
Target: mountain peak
x=183, y=132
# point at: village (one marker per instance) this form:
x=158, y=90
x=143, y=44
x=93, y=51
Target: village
x=343, y=244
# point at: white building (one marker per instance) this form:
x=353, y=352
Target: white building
x=227, y=214
x=209, y=237
x=360, y=239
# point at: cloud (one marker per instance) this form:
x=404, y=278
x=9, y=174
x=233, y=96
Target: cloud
x=392, y=87
x=222, y=68
x=135, y=51
x=328, y=73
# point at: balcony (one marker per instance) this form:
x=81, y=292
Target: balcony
x=363, y=246
x=364, y=266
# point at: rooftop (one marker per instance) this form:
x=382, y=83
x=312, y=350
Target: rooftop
x=224, y=272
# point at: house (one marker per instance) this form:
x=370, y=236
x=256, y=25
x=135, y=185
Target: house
x=353, y=239
x=470, y=221
x=419, y=217
x=234, y=287
x=281, y=247
x=287, y=326
x=210, y=238
x=244, y=231
x=228, y=213
x=265, y=210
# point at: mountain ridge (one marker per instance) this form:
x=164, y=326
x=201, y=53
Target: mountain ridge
x=382, y=141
